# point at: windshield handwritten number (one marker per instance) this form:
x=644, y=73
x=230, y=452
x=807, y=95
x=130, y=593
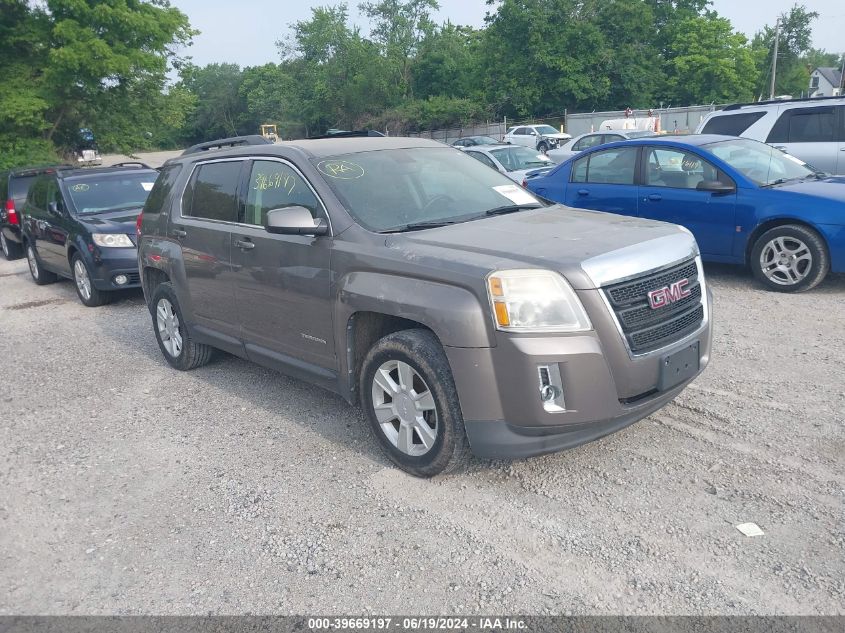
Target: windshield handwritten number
x=277, y=180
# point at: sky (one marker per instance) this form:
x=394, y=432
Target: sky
x=244, y=32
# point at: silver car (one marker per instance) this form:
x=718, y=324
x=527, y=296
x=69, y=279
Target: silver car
x=810, y=129
x=593, y=139
x=513, y=161
x=539, y=137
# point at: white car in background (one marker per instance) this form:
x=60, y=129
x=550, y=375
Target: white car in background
x=539, y=137
x=513, y=161
x=592, y=139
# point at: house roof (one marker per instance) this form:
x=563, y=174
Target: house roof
x=833, y=76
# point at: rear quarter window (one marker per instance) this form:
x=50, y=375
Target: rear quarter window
x=19, y=186
x=161, y=189
x=731, y=124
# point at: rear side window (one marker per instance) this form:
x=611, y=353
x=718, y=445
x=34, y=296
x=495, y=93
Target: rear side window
x=19, y=186
x=214, y=192
x=483, y=158
x=805, y=125
x=587, y=142
x=37, y=195
x=731, y=124
x=615, y=166
x=161, y=189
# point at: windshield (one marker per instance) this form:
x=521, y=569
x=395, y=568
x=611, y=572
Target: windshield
x=110, y=192
x=516, y=157
x=546, y=129
x=761, y=163
x=390, y=189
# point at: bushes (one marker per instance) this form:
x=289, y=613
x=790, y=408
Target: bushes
x=26, y=152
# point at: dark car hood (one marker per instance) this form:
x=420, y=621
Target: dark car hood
x=588, y=247
x=831, y=188
x=122, y=221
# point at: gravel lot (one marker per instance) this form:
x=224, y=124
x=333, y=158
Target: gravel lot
x=127, y=487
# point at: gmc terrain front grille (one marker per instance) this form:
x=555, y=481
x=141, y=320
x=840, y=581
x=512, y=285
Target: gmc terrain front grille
x=646, y=328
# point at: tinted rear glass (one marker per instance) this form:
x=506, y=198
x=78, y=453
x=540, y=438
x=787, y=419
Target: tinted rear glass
x=215, y=191
x=731, y=124
x=19, y=186
x=162, y=188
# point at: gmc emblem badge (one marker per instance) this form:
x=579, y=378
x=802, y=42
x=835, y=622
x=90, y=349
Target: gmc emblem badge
x=668, y=294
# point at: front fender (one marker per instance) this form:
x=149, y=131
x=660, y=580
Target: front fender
x=454, y=314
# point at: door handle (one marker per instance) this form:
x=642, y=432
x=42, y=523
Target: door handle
x=583, y=192
x=178, y=233
x=655, y=197
x=245, y=245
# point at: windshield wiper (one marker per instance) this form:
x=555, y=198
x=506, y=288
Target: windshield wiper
x=419, y=226
x=511, y=208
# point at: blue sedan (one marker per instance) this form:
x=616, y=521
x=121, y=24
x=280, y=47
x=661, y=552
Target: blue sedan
x=745, y=202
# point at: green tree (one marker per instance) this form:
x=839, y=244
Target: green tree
x=447, y=63
x=399, y=28
x=795, y=40
x=219, y=106
x=99, y=48
x=710, y=63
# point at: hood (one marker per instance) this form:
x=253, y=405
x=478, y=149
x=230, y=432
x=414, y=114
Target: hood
x=830, y=188
x=122, y=221
x=589, y=248
x=560, y=135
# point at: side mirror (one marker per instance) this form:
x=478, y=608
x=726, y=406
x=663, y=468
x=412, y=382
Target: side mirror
x=533, y=133
x=294, y=221
x=54, y=208
x=716, y=187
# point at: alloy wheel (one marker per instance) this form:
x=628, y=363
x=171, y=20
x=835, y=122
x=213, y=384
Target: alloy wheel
x=786, y=260
x=33, y=263
x=167, y=322
x=404, y=407
x=83, y=281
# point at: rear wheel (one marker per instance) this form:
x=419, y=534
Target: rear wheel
x=790, y=258
x=39, y=275
x=85, y=290
x=10, y=249
x=411, y=402
x=174, y=340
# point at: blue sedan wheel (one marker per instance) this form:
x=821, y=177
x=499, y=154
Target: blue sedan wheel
x=790, y=258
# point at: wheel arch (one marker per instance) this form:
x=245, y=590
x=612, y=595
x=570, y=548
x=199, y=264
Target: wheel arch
x=773, y=223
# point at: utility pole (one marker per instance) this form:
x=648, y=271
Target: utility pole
x=775, y=60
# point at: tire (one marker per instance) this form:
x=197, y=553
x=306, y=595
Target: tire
x=543, y=147
x=430, y=398
x=85, y=290
x=169, y=322
x=790, y=258
x=39, y=275
x=11, y=251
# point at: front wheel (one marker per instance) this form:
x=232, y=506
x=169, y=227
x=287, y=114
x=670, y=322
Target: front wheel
x=543, y=147
x=411, y=402
x=790, y=258
x=85, y=290
x=39, y=275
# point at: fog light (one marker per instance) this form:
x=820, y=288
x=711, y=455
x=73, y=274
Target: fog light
x=121, y=280
x=551, y=388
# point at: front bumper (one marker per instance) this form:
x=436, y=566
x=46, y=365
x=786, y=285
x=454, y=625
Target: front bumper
x=604, y=388
x=108, y=263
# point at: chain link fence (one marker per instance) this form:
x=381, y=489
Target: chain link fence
x=672, y=121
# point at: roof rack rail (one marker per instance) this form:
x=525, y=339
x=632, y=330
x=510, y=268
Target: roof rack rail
x=347, y=134
x=36, y=171
x=737, y=106
x=223, y=143
x=132, y=163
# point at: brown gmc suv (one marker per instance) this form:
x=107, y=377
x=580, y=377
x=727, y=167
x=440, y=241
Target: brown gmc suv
x=462, y=312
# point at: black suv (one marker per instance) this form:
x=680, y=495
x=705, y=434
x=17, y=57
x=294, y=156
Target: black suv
x=14, y=186
x=81, y=224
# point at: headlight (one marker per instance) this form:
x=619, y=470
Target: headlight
x=535, y=301
x=112, y=240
